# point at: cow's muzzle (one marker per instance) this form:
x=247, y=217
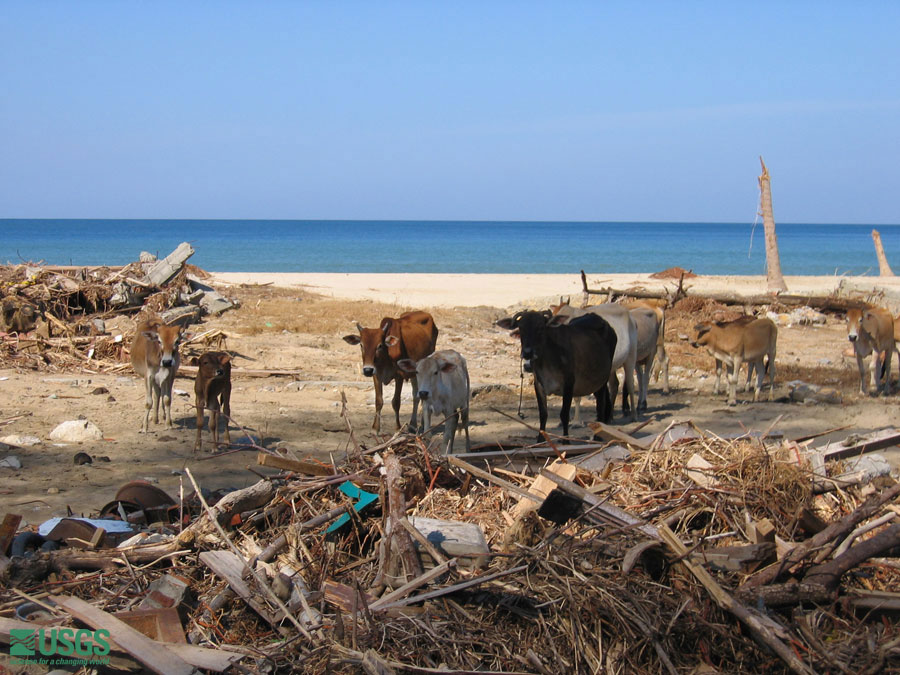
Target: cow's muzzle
x=852, y=338
x=526, y=366
x=423, y=395
x=368, y=371
x=167, y=363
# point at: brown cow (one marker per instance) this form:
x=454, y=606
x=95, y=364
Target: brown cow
x=155, y=358
x=412, y=335
x=738, y=342
x=872, y=332
x=212, y=391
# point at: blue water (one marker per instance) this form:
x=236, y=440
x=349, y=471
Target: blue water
x=449, y=246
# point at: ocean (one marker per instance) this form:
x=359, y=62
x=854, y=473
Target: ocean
x=452, y=246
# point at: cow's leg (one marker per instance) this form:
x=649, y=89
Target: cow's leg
x=604, y=405
x=450, y=431
x=732, y=384
x=464, y=420
x=226, y=408
x=644, y=382
x=770, y=371
x=426, y=417
x=861, y=364
x=883, y=368
x=542, y=406
x=415, y=397
x=613, y=391
x=166, y=392
x=718, y=376
x=199, y=406
x=662, y=366
x=566, y=407
x=629, y=386
x=154, y=387
x=760, y=376
x=214, y=422
x=148, y=402
x=395, y=401
x=379, y=403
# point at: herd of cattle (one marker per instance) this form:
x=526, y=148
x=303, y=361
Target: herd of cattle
x=571, y=352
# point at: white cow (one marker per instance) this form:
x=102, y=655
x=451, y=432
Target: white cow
x=444, y=390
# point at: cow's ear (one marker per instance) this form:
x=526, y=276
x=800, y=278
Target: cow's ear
x=352, y=339
x=224, y=359
x=448, y=367
x=391, y=340
x=556, y=321
x=407, y=366
x=507, y=322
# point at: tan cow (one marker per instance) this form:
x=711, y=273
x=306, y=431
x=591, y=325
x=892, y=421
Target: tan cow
x=155, y=358
x=871, y=331
x=735, y=343
x=412, y=335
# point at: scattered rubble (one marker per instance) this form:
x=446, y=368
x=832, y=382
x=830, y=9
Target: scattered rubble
x=56, y=318
x=687, y=553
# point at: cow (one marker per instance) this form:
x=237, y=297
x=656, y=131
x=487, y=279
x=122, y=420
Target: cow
x=155, y=358
x=412, y=335
x=871, y=331
x=752, y=366
x=212, y=391
x=661, y=360
x=738, y=342
x=443, y=390
x=567, y=359
x=621, y=321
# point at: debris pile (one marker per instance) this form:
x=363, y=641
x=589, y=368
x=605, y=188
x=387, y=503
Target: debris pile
x=681, y=552
x=54, y=318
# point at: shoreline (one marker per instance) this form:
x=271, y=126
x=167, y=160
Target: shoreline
x=507, y=290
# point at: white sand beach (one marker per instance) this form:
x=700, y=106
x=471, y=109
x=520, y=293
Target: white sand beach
x=506, y=290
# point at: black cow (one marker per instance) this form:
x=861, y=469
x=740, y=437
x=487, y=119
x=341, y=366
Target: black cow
x=567, y=359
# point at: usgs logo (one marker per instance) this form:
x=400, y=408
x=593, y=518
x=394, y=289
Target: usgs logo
x=58, y=642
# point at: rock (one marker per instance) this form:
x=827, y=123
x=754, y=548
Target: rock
x=20, y=440
x=53, y=491
x=10, y=462
x=804, y=392
x=807, y=316
x=82, y=458
x=76, y=431
x=100, y=390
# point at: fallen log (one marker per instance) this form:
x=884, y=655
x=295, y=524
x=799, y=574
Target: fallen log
x=835, y=530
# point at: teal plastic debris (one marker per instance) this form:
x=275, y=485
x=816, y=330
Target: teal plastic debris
x=354, y=492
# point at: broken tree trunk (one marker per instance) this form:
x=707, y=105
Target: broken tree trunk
x=884, y=269
x=163, y=270
x=401, y=539
x=774, y=278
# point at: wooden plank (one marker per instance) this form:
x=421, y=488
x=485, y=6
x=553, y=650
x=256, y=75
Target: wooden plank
x=410, y=586
x=859, y=445
x=155, y=655
x=8, y=531
x=230, y=568
x=455, y=587
x=606, y=511
x=541, y=487
x=208, y=659
x=609, y=433
x=478, y=473
x=288, y=464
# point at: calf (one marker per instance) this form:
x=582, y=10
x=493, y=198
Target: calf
x=738, y=342
x=155, y=358
x=412, y=335
x=567, y=359
x=212, y=391
x=444, y=390
x=871, y=331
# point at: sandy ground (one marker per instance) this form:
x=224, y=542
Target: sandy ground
x=296, y=321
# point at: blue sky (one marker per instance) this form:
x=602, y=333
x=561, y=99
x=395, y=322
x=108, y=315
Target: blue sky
x=450, y=110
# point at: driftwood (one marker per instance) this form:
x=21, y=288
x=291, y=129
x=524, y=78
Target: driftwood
x=238, y=501
x=822, y=302
x=827, y=536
